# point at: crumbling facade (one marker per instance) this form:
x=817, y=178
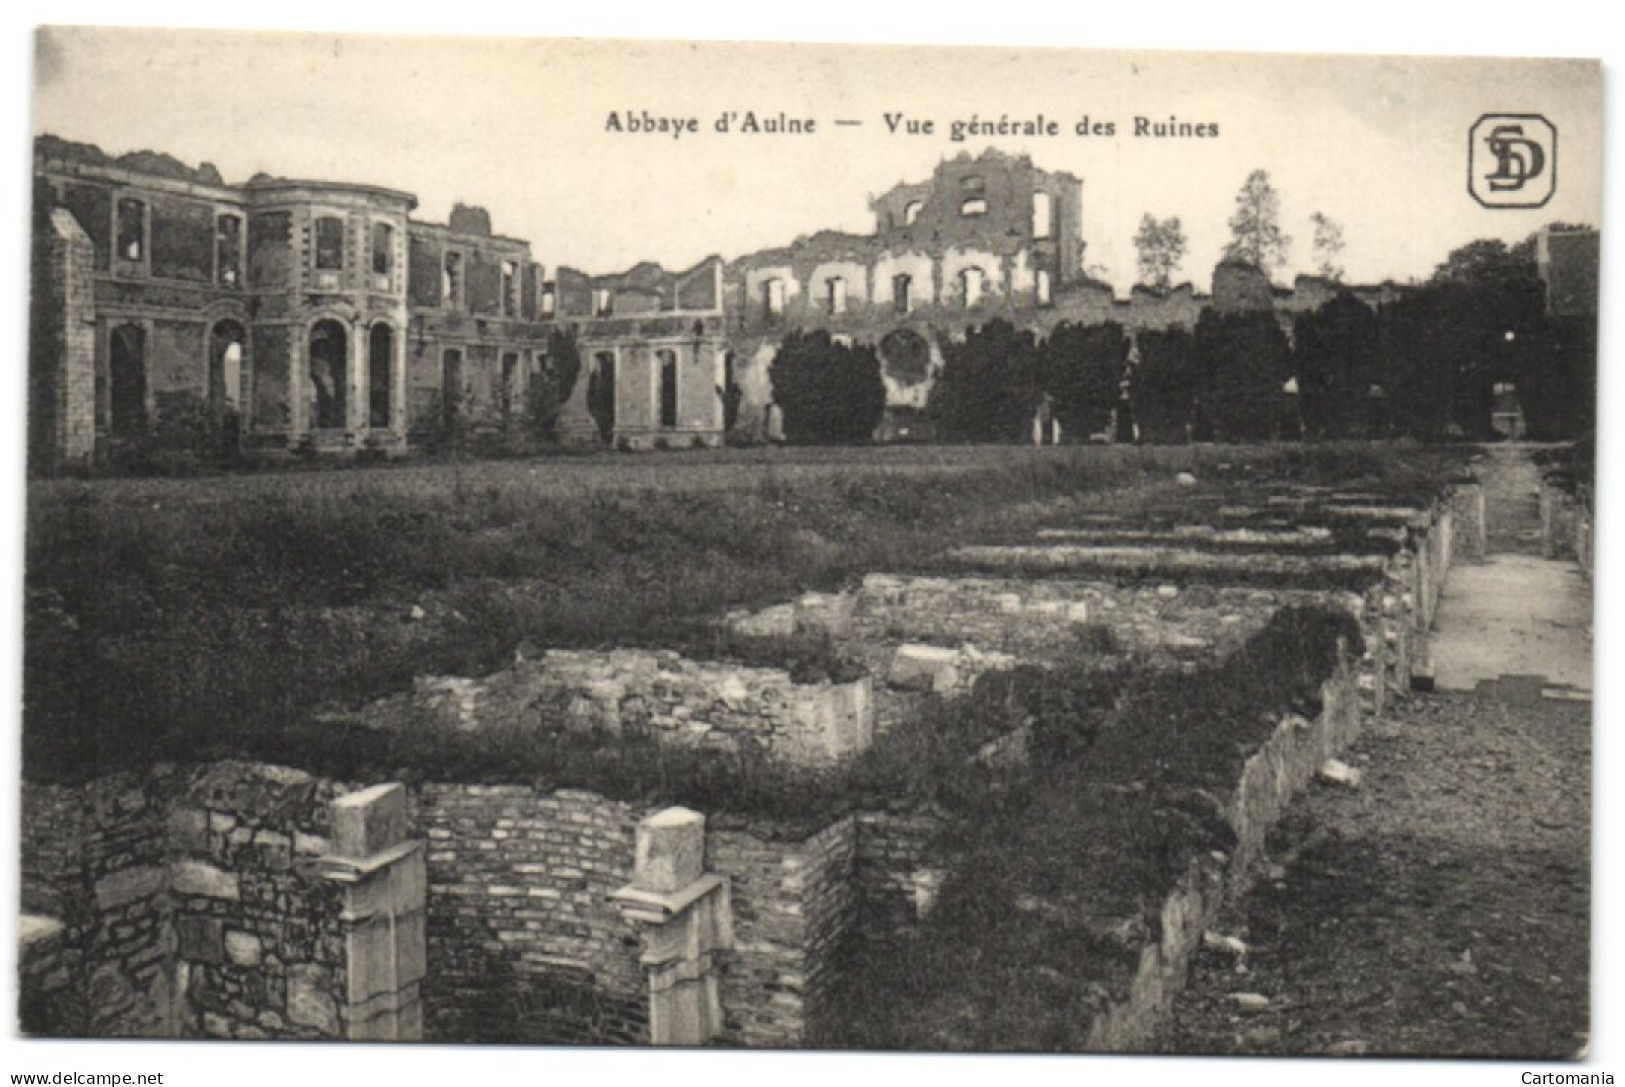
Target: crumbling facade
x=175, y=312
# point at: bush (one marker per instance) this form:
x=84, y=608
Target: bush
x=989, y=385
x=1081, y=368
x=1242, y=361
x=830, y=392
x=1335, y=352
x=1162, y=387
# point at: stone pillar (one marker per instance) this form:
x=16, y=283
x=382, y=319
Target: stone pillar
x=62, y=346
x=686, y=916
x=385, y=907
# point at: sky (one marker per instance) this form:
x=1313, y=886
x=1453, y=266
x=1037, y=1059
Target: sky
x=522, y=127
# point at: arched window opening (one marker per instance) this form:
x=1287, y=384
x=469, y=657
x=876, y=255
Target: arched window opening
x=668, y=387
x=329, y=374
x=380, y=373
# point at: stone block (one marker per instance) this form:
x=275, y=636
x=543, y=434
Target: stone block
x=130, y=885
x=670, y=852
x=369, y=821
x=199, y=939
x=197, y=878
x=310, y=999
x=189, y=830
x=828, y=614
x=243, y=948
x=924, y=668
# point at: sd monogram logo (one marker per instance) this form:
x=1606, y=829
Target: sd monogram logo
x=1512, y=160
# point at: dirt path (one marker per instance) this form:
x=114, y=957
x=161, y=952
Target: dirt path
x=1442, y=906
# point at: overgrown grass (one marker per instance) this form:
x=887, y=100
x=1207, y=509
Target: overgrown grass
x=1041, y=924
x=167, y=619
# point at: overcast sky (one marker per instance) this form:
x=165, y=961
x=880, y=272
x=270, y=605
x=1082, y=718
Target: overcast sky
x=519, y=126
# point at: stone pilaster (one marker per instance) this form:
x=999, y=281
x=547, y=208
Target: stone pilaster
x=385, y=906
x=686, y=916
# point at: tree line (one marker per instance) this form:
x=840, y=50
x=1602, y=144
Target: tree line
x=1426, y=365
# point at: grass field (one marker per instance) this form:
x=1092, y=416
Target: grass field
x=179, y=618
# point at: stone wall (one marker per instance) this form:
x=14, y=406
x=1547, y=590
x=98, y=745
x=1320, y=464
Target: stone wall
x=522, y=933
x=793, y=906
x=203, y=903
x=259, y=947
x=650, y=695
x=62, y=346
x=95, y=858
x=1565, y=526
x=1268, y=781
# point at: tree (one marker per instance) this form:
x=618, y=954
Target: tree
x=1255, y=228
x=1327, y=246
x=829, y=392
x=1242, y=360
x=989, y=385
x=1161, y=245
x=555, y=379
x=1162, y=385
x=1487, y=260
x=1081, y=367
x=1335, y=349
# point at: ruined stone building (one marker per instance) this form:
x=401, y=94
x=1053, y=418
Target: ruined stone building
x=985, y=237
x=173, y=310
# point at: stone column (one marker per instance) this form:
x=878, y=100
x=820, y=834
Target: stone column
x=686, y=917
x=385, y=906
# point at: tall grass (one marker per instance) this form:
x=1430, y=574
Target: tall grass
x=167, y=618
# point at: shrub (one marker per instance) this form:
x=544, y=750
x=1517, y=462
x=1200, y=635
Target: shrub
x=1081, y=367
x=1335, y=352
x=1162, y=387
x=829, y=391
x=1242, y=361
x=989, y=385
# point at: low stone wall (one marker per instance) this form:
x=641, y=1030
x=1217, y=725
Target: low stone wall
x=896, y=874
x=95, y=858
x=259, y=945
x=212, y=902
x=793, y=906
x=1565, y=527
x=647, y=694
x=1268, y=781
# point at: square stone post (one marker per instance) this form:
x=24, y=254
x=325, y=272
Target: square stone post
x=385, y=909
x=686, y=916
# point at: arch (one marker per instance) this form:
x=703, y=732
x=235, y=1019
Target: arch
x=329, y=366
x=227, y=346
x=972, y=282
x=380, y=373
x=127, y=379
x=911, y=212
x=667, y=377
x=835, y=299
x=905, y=357
x=773, y=298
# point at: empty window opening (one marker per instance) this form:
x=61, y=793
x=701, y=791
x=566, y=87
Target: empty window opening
x=911, y=212
x=603, y=302
x=383, y=249
x=380, y=373
x=329, y=244
x=226, y=341
x=329, y=374
x=228, y=250
x=773, y=298
x=668, y=387
x=132, y=229
x=601, y=393
x=451, y=281
x=451, y=389
x=900, y=287
x=836, y=298
x=127, y=380
x=510, y=385
x=973, y=186
x=1041, y=214
x=510, y=288
x=972, y=281
x=1044, y=298
x=550, y=300
x=973, y=205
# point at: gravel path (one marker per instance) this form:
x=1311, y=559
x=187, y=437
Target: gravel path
x=1441, y=906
